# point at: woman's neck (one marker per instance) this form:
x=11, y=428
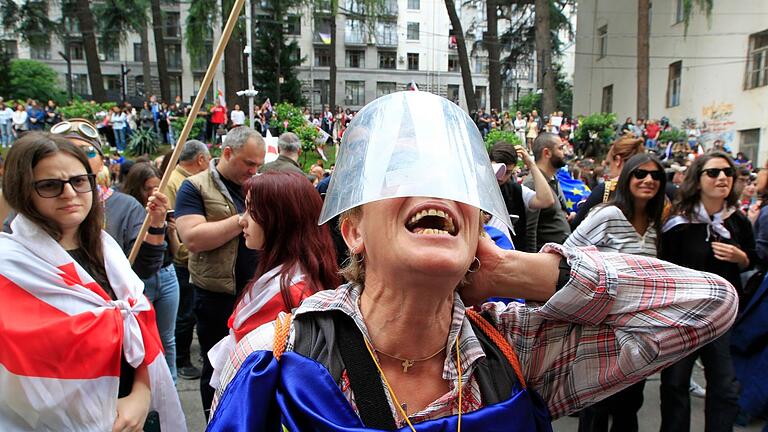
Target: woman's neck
x=69, y=239
x=640, y=219
x=712, y=205
x=407, y=317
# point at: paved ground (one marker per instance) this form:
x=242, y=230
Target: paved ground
x=189, y=391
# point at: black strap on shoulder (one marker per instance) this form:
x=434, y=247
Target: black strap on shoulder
x=495, y=376
x=364, y=378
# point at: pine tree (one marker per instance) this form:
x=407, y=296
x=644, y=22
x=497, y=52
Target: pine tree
x=276, y=61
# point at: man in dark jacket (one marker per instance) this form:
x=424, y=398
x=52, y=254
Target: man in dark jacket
x=289, y=147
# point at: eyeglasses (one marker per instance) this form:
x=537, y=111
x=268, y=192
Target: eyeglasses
x=715, y=172
x=640, y=174
x=51, y=188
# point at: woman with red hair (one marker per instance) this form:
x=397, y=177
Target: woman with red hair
x=297, y=258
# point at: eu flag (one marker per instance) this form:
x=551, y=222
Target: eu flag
x=574, y=190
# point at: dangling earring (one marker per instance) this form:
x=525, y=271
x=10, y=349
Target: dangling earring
x=476, y=267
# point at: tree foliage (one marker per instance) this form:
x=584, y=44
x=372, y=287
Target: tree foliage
x=276, y=76
x=704, y=5
x=117, y=18
x=28, y=19
x=36, y=80
x=564, y=90
x=498, y=135
x=84, y=109
x=595, y=134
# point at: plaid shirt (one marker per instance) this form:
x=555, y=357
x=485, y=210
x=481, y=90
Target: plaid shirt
x=618, y=319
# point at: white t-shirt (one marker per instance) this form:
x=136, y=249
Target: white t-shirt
x=238, y=117
x=19, y=118
x=6, y=115
x=520, y=124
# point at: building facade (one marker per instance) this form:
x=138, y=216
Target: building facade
x=716, y=74
x=411, y=42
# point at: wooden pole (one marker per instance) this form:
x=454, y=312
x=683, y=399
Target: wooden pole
x=225, y=35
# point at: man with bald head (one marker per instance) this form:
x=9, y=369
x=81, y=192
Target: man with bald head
x=208, y=206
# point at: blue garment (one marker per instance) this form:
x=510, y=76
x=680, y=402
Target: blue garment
x=300, y=394
x=162, y=289
x=750, y=353
x=119, y=138
x=499, y=238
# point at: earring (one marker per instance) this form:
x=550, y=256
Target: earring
x=476, y=267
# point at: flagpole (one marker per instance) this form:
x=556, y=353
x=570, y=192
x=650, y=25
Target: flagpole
x=225, y=35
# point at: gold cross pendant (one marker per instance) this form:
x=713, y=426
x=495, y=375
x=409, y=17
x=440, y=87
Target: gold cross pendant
x=406, y=364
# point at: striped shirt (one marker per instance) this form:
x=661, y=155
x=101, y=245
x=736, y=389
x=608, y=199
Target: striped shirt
x=618, y=319
x=608, y=230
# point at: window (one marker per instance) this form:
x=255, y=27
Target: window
x=481, y=65
x=71, y=25
x=673, y=84
x=354, y=31
x=356, y=7
x=413, y=61
x=138, y=84
x=749, y=143
x=111, y=82
x=197, y=80
x=200, y=63
x=480, y=96
x=111, y=53
x=138, y=52
x=757, y=62
x=386, y=33
x=679, y=11
x=389, y=8
x=453, y=63
x=354, y=92
x=413, y=31
x=175, y=85
x=607, y=104
x=602, y=42
x=320, y=91
x=385, y=88
x=10, y=48
x=293, y=25
x=173, y=56
x=76, y=51
x=355, y=59
x=322, y=33
x=322, y=56
x=414, y=4
x=172, y=27
x=80, y=84
x=295, y=55
x=40, y=52
x=453, y=93
x=387, y=59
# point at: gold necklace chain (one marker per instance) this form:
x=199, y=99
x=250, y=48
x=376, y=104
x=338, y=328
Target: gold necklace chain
x=392, y=392
x=406, y=363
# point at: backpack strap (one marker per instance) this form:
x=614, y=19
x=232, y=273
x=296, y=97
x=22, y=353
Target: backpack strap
x=500, y=341
x=364, y=378
x=282, y=331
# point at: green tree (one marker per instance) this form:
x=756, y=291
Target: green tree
x=461, y=46
x=563, y=90
x=5, y=71
x=36, y=80
x=276, y=77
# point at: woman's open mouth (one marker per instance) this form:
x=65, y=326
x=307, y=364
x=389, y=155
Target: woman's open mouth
x=431, y=221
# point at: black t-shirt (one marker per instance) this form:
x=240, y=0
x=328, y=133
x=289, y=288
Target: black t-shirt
x=189, y=202
x=99, y=275
x=512, y=193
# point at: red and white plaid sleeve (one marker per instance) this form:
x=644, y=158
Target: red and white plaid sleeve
x=619, y=319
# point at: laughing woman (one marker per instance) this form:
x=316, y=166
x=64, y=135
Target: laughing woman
x=80, y=349
x=706, y=232
x=397, y=345
x=628, y=223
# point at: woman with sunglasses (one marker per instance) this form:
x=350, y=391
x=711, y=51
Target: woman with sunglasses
x=706, y=231
x=123, y=215
x=628, y=223
x=80, y=346
x=162, y=288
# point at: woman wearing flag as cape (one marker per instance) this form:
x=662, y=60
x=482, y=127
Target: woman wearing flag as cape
x=80, y=347
x=398, y=346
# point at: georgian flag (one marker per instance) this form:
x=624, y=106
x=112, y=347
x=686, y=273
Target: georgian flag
x=61, y=338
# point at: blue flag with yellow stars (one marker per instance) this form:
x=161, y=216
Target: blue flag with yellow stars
x=574, y=190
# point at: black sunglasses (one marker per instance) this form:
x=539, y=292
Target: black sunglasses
x=51, y=188
x=715, y=172
x=640, y=174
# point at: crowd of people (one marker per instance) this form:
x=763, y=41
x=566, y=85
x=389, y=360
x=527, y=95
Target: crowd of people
x=425, y=300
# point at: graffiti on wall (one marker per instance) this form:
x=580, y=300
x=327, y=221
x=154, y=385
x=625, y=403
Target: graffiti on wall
x=718, y=124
